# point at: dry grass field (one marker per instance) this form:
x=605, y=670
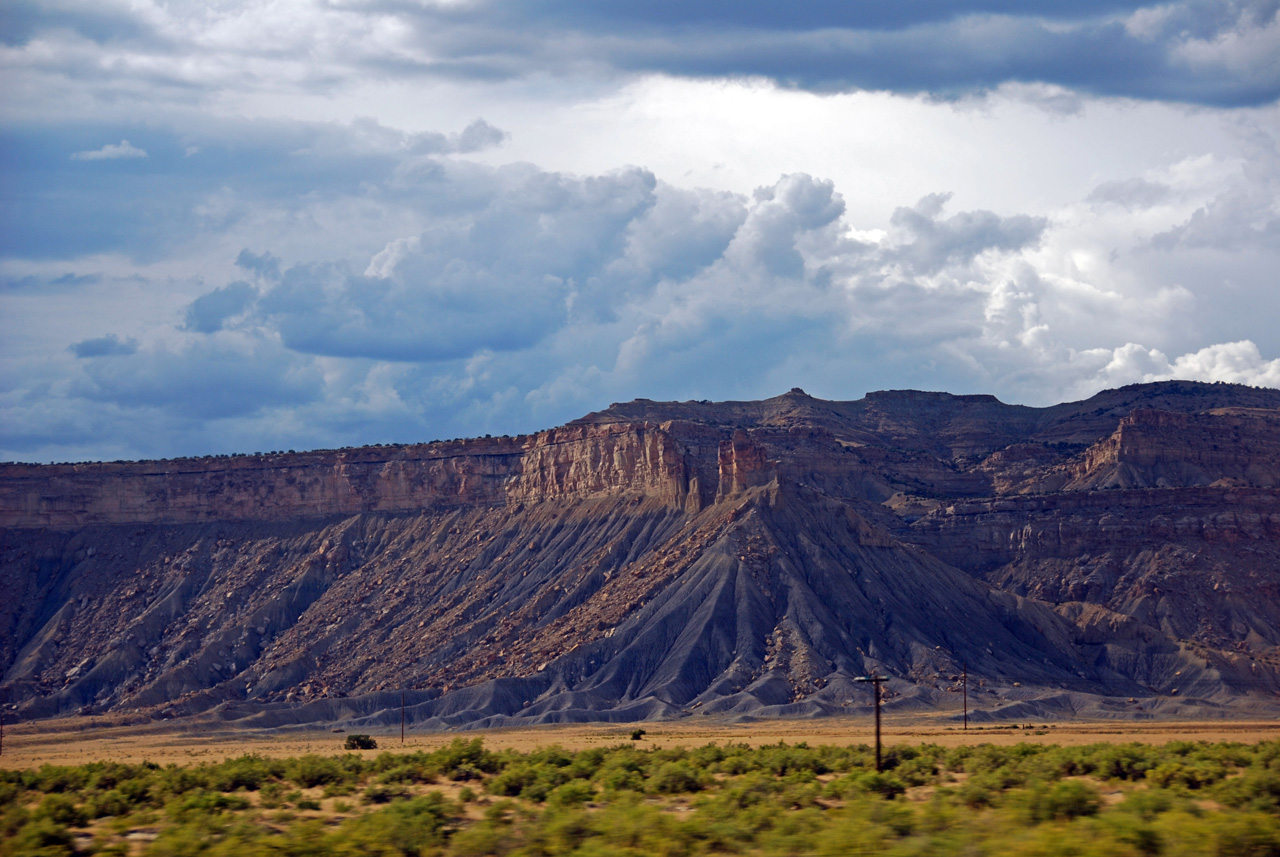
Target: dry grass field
x=80, y=740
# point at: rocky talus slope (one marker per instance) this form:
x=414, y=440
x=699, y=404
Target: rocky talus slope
x=1116, y=556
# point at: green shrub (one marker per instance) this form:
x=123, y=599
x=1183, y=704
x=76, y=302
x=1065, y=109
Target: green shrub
x=464, y=760
x=103, y=804
x=11, y=820
x=675, y=778
x=573, y=793
x=1146, y=804
x=1256, y=789
x=310, y=771
x=405, y=827
x=384, y=794
x=205, y=803
x=246, y=772
x=42, y=837
x=359, y=742
x=61, y=809
x=1070, y=799
x=174, y=781
x=60, y=778
x=512, y=781
x=410, y=772
x=271, y=796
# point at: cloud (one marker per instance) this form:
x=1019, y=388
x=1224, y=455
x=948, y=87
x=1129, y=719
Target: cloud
x=1228, y=362
x=210, y=311
x=207, y=379
x=110, y=152
x=263, y=265
x=1214, y=52
x=478, y=136
x=105, y=346
x=929, y=244
x=1131, y=193
x=251, y=178
x=536, y=248
x=327, y=284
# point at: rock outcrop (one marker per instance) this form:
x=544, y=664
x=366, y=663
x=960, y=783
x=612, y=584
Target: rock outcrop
x=1115, y=556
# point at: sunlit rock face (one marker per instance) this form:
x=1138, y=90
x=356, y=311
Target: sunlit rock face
x=1117, y=556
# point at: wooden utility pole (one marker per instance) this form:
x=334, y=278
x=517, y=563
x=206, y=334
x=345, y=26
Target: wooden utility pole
x=402, y=717
x=964, y=686
x=876, y=681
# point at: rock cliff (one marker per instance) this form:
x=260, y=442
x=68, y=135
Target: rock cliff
x=1119, y=555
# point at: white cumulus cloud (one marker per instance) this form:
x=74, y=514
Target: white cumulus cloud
x=110, y=152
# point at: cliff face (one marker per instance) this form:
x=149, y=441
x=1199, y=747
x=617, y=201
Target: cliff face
x=561, y=464
x=282, y=486
x=657, y=559
x=1160, y=449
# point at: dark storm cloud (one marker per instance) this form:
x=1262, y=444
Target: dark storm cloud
x=1213, y=52
x=1218, y=52
x=824, y=14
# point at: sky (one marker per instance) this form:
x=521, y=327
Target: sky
x=231, y=226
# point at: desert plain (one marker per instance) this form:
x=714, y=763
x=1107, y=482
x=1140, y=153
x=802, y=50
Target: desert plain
x=78, y=741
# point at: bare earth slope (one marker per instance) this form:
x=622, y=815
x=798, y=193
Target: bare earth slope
x=1113, y=557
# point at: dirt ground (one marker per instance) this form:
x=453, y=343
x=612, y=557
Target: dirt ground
x=76, y=741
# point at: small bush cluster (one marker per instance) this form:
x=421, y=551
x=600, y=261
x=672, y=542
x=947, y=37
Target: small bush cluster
x=463, y=799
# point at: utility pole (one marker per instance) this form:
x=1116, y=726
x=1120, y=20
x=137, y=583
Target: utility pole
x=402, y=717
x=876, y=681
x=964, y=685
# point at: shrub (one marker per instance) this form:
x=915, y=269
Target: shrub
x=407, y=827
x=384, y=794
x=61, y=809
x=42, y=838
x=60, y=778
x=198, y=805
x=360, y=742
x=271, y=796
x=310, y=771
x=674, y=778
x=103, y=804
x=464, y=760
x=1256, y=789
x=1070, y=799
x=245, y=772
x=512, y=781
x=572, y=793
x=637, y=734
